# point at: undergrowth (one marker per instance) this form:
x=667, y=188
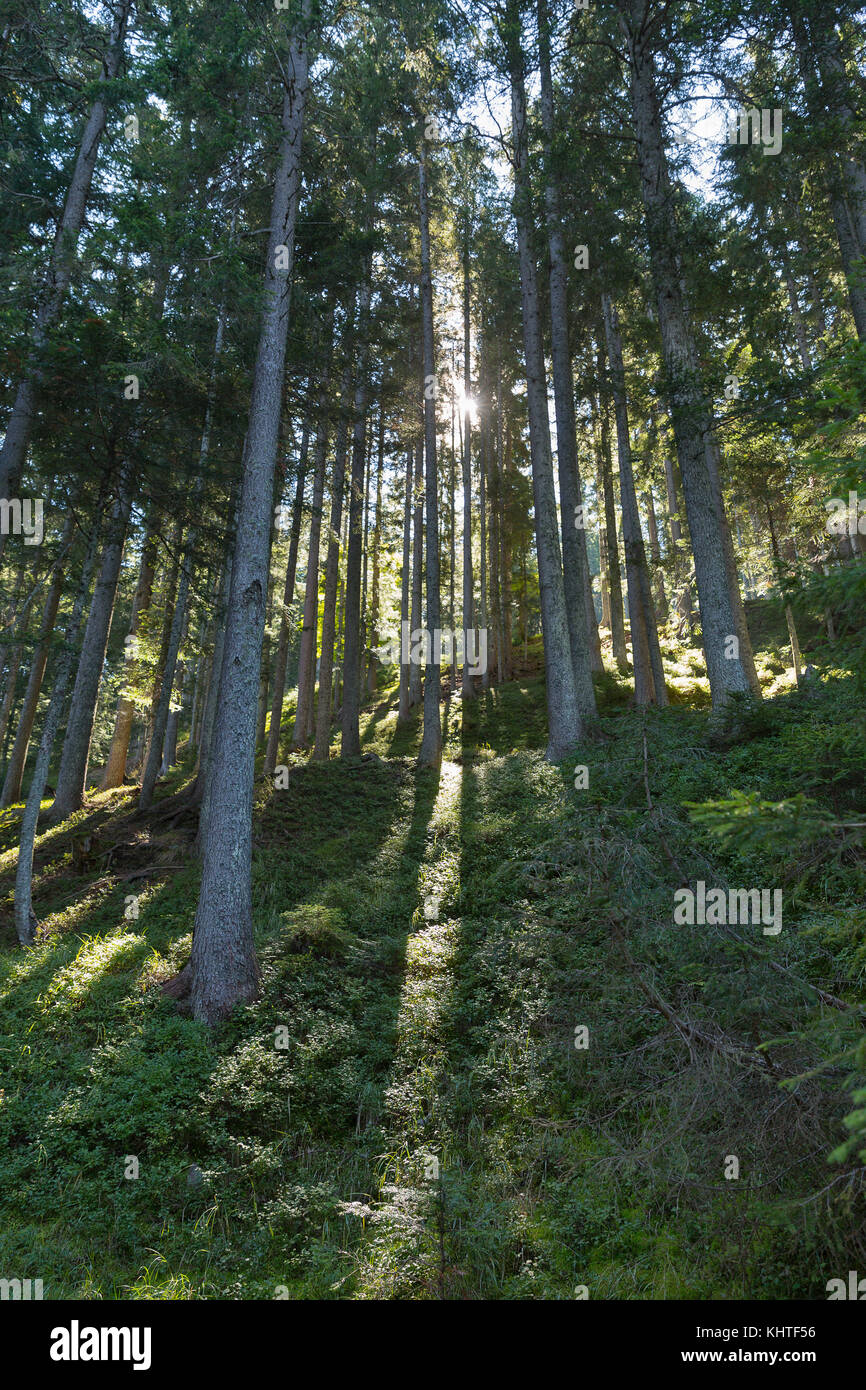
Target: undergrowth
x=409, y=1109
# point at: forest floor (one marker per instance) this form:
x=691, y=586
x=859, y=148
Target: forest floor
x=407, y=1111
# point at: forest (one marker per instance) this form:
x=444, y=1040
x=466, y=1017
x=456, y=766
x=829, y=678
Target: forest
x=433, y=649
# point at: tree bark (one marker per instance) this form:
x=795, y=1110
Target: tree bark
x=309, y=630
x=846, y=188
x=430, y=753
x=18, y=757
x=661, y=598
x=288, y=599
x=565, y=726
x=25, y=919
x=727, y=674
x=575, y=562
x=507, y=667
x=467, y=685
x=153, y=761
x=713, y=454
x=415, y=680
x=616, y=617
x=494, y=569
x=403, y=702
x=201, y=792
x=373, y=640
x=115, y=768
x=789, y=613
x=649, y=682
x=322, y=746
x=72, y=774
x=350, y=742
x=483, y=574
x=452, y=547
x=265, y=671
x=223, y=966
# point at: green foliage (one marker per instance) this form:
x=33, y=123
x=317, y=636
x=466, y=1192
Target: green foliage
x=453, y=1036
x=744, y=821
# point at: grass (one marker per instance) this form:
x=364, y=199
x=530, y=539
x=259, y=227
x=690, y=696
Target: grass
x=404, y=1112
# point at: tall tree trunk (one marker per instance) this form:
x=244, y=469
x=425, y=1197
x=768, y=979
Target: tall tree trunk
x=265, y=672
x=611, y=544
x=169, y=744
x=713, y=455
x=377, y=541
x=602, y=552
x=467, y=688
x=201, y=792
x=169, y=747
x=201, y=666
x=840, y=96
x=12, y=614
x=843, y=185
x=789, y=612
x=596, y=662
x=494, y=564
x=288, y=599
x=430, y=753
x=365, y=532
x=575, y=561
x=170, y=582
x=309, y=631
x=507, y=669
x=16, y=653
x=683, y=600
x=72, y=775
x=415, y=685
x=524, y=606
x=673, y=504
x=223, y=966
x=11, y=694
x=483, y=575
x=403, y=703
x=661, y=598
x=25, y=919
x=350, y=741
x=341, y=623
x=115, y=768
x=62, y=260
x=322, y=746
x=452, y=546
x=153, y=761
x=161, y=713
x=649, y=682
x=727, y=674
x=11, y=656
x=18, y=758
x=565, y=726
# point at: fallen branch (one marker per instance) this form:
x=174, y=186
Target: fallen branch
x=689, y=1032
